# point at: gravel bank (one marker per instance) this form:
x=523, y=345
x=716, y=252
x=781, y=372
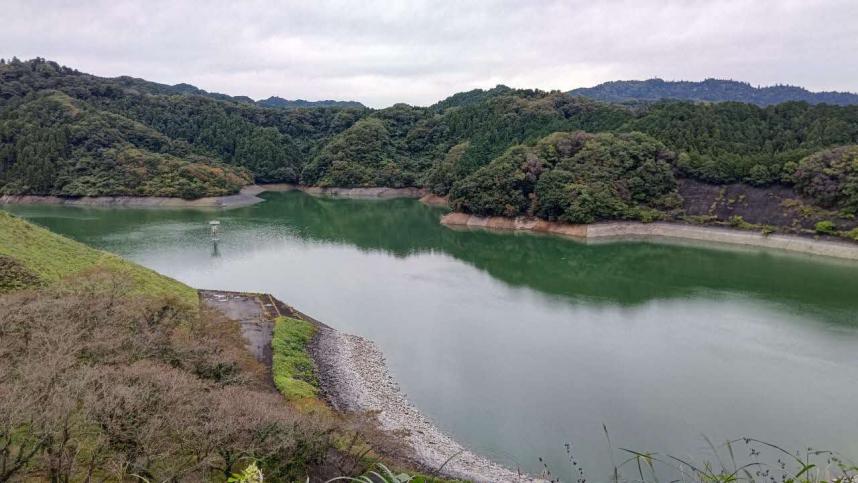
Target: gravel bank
x=354, y=377
x=660, y=230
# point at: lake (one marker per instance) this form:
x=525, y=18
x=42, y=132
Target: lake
x=516, y=343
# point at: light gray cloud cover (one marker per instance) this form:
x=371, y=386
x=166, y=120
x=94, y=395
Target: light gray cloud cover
x=382, y=52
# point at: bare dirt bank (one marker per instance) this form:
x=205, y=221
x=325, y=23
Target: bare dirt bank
x=659, y=230
x=432, y=199
x=246, y=197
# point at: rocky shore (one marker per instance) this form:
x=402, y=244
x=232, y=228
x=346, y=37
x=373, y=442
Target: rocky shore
x=354, y=377
x=659, y=230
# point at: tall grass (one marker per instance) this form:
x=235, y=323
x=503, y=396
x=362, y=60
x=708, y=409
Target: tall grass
x=739, y=460
x=292, y=366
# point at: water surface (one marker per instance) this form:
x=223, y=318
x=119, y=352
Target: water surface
x=516, y=343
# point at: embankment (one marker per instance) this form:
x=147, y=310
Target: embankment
x=659, y=230
x=353, y=376
x=246, y=197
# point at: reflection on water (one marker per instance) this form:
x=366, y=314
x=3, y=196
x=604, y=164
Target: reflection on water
x=519, y=343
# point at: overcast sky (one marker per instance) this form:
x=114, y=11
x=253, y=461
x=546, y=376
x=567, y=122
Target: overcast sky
x=419, y=52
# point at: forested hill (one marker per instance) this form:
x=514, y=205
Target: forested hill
x=710, y=90
x=500, y=151
x=301, y=103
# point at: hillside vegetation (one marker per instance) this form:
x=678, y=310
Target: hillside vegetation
x=68, y=133
x=112, y=372
x=42, y=258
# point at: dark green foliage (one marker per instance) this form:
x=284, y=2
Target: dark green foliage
x=214, y=126
x=503, y=121
x=607, y=176
x=710, y=90
x=830, y=178
x=68, y=133
x=501, y=188
x=361, y=156
x=474, y=96
x=574, y=177
x=723, y=143
x=53, y=144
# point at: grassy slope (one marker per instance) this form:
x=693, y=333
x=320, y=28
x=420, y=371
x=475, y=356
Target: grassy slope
x=292, y=367
x=52, y=257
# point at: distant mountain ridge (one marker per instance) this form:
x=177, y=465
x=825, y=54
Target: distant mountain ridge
x=192, y=90
x=272, y=102
x=710, y=90
x=279, y=102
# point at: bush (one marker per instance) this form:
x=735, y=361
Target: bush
x=830, y=178
x=825, y=227
x=737, y=221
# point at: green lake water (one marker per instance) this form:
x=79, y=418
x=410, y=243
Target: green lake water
x=516, y=343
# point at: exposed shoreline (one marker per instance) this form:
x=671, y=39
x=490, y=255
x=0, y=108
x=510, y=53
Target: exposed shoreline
x=627, y=230
x=246, y=197
x=353, y=376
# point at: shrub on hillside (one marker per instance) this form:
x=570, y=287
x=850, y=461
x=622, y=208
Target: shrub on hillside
x=826, y=227
x=830, y=178
x=130, y=385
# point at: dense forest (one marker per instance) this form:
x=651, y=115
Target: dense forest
x=499, y=151
x=710, y=90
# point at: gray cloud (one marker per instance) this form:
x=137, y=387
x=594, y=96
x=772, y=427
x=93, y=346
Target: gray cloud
x=381, y=52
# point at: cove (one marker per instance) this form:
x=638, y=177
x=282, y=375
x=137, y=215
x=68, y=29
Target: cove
x=518, y=343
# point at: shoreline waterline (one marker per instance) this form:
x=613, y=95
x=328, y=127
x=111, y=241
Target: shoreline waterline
x=247, y=196
x=354, y=376
x=628, y=230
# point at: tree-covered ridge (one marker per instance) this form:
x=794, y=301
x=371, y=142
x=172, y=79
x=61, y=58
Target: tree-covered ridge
x=126, y=122
x=275, y=101
x=52, y=144
x=574, y=177
x=710, y=90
